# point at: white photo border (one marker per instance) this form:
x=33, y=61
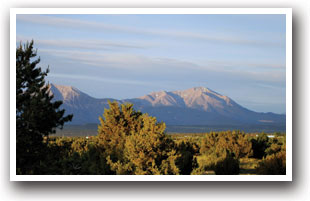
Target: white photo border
x=285, y=11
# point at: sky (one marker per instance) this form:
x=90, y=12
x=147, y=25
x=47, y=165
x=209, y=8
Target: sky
x=128, y=56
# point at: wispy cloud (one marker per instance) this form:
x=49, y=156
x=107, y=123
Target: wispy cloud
x=270, y=65
x=223, y=39
x=132, y=60
x=102, y=79
x=140, y=63
x=120, y=60
x=100, y=26
x=85, y=43
x=268, y=86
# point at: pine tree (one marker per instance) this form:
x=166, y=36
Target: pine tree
x=36, y=114
x=118, y=123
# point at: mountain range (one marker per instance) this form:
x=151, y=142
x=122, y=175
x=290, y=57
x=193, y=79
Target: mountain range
x=194, y=106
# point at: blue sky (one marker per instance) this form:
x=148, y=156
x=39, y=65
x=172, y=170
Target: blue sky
x=127, y=56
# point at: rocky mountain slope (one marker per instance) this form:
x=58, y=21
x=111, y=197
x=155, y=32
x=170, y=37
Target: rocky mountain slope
x=195, y=106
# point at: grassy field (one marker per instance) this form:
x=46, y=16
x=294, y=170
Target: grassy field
x=248, y=165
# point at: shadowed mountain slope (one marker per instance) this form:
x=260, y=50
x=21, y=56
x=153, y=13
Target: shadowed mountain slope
x=195, y=106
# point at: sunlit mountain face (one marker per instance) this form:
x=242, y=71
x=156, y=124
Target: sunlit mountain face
x=194, y=106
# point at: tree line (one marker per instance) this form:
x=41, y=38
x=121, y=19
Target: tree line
x=128, y=141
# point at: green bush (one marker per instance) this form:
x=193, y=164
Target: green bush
x=259, y=145
x=274, y=148
x=227, y=165
x=186, y=162
x=75, y=156
x=136, y=143
x=274, y=164
x=235, y=142
x=221, y=161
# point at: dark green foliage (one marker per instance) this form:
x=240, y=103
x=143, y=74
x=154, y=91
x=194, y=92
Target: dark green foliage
x=90, y=162
x=75, y=156
x=227, y=165
x=277, y=144
x=259, y=145
x=221, y=161
x=36, y=115
x=274, y=164
x=220, y=152
x=275, y=161
x=187, y=162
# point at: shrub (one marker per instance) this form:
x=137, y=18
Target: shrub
x=274, y=164
x=221, y=161
x=186, y=162
x=227, y=165
x=235, y=142
x=274, y=148
x=259, y=145
x=75, y=156
x=135, y=143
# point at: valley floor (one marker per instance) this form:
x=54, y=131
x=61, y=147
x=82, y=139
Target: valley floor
x=77, y=140
x=92, y=129
x=247, y=167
